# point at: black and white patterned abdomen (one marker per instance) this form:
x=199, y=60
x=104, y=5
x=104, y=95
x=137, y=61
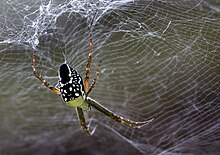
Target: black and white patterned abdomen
x=71, y=84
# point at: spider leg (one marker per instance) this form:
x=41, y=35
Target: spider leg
x=37, y=75
x=124, y=121
x=86, y=81
x=95, y=79
x=82, y=121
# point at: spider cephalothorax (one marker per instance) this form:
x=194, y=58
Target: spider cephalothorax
x=75, y=92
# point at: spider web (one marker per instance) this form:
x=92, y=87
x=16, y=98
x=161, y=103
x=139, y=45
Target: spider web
x=160, y=59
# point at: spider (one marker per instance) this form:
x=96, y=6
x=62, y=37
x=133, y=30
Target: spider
x=75, y=93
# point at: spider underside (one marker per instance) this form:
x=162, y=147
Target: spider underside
x=75, y=93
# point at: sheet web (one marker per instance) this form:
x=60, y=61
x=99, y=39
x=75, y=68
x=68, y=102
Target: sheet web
x=160, y=59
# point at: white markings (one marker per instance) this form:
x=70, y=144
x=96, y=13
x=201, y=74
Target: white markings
x=71, y=80
x=61, y=85
x=69, y=70
x=77, y=94
x=70, y=88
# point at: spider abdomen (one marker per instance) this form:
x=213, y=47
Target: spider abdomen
x=71, y=86
x=70, y=92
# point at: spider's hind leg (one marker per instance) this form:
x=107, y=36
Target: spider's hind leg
x=83, y=122
x=124, y=121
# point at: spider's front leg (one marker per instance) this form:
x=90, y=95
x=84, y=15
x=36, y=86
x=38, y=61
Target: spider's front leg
x=37, y=75
x=124, y=121
x=86, y=81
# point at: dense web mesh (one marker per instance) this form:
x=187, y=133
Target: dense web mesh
x=160, y=59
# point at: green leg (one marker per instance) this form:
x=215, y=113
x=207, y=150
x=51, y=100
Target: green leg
x=127, y=122
x=82, y=120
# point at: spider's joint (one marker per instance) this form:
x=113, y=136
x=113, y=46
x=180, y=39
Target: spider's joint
x=90, y=54
x=33, y=68
x=87, y=69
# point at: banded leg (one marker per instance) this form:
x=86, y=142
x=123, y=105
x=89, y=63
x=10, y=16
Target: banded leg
x=86, y=81
x=37, y=75
x=82, y=121
x=124, y=121
x=95, y=79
